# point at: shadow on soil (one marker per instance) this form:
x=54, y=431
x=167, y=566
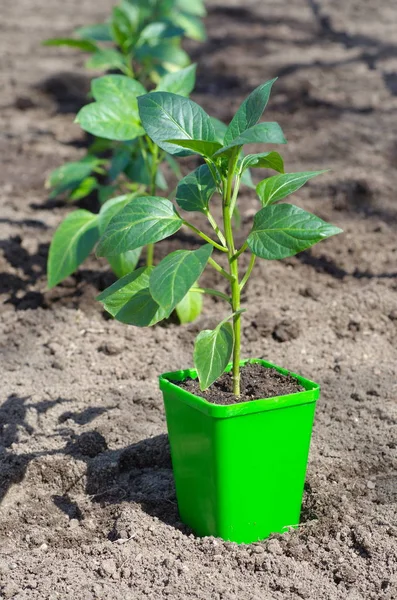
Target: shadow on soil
x=67, y=90
x=214, y=78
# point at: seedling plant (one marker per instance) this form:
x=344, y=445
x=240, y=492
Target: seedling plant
x=179, y=126
x=115, y=114
x=141, y=40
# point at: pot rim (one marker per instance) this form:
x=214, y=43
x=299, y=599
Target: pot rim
x=309, y=395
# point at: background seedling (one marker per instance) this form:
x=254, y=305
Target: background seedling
x=145, y=45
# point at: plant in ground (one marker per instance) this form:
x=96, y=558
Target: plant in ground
x=149, y=294
x=145, y=45
x=115, y=115
x=142, y=40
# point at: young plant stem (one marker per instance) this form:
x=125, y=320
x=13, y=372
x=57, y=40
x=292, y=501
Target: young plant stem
x=211, y=292
x=216, y=228
x=204, y=237
x=228, y=204
x=153, y=165
x=248, y=272
x=220, y=269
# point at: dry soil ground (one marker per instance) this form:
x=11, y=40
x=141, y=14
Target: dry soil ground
x=87, y=499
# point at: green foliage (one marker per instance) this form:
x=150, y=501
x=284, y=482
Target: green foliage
x=168, y=116
x=249, y=112
x=178, y=125
x=146, y=51
x=71, y=175
x=276, y=188
x=129, y=300
x=212, y=352
x=178, y=82
x=196, y=190
x=114, y=115
x=175, y=275
x=264, y=160
x=73, y=241
x=262, y=133
x=85, y=45
x=144, y=220
x=190, y=307
x=284, y=230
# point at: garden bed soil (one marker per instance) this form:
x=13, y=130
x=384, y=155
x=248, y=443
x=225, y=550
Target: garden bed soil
x=256, y=382
x=88, y=507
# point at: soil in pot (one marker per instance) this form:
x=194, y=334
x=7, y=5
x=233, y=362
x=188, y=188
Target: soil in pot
x=257, y=382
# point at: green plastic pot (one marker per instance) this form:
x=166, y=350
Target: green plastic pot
x=239, y=469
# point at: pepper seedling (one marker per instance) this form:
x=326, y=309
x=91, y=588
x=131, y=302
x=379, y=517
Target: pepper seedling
x=177, y=124
x=142, y=40
x=114, y=115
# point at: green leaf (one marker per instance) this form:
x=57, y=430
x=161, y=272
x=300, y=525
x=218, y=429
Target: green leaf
x=283, y=230
x=154, y=32
x=206, y=149
x=73, y=241
x=212, y=352
x=129, y=300
x=115, y=121
x=99, y=32
x=264, y=160
x=179, y=82
x=117, y=88
x=176, y=273
x=85, y=45
x=144, y=220
x=70, y=175
x=121, y=27
x=87, y=186
x=220, y=130
x=190, y=307
x=262, y=133
x=193, y=7
x=115, y=114
x=276, y=188
x=106, y=58
x=196, y=190
x=124, y=263
x=193, y=26
x=169, y=116
x=249, y=112
x=165, y=53
x=111, y=208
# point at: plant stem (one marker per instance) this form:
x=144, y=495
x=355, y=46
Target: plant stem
x=228, y=200
x=249, y=271
x=149, y=255
x=242, y=249
x=212, y=293
x=215, y=227
x=204, y=237
x=220, y=269
x=153, y=165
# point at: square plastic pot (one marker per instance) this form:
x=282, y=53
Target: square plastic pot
x=239, y=469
